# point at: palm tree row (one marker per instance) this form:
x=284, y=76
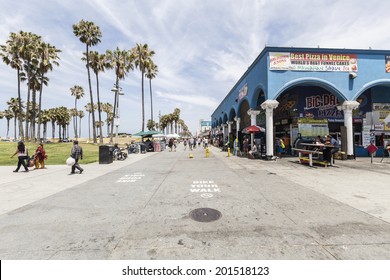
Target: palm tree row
x=173, y=121
x=32, y=59
x=60, y=116
x=122, y=61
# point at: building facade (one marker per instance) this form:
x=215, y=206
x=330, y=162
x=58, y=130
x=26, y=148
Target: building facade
x=311, y=91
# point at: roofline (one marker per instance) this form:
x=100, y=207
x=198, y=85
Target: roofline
x=298, y=49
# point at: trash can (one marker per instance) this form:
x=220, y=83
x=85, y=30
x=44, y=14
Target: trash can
x=105, y=154
x=142, y=148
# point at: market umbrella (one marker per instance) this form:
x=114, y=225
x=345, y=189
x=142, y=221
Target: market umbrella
x=253, y=129
x=149, y=133
x=173, y=135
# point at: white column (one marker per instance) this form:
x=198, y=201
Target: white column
x=229, y=123
x=269, y=106
x=347, y=107
x=253, y=114
x=237, y=126
x=224, y=127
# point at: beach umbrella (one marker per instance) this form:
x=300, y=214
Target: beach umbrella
x=253, y=129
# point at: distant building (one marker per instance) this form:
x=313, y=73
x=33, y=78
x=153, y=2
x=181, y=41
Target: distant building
x=204, y=126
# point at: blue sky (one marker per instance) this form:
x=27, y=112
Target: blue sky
x=202, y=47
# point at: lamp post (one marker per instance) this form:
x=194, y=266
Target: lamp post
x=118, y=91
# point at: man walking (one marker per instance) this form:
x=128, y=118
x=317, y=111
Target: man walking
x=76, y=153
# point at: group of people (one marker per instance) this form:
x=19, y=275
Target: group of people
x=38, y=160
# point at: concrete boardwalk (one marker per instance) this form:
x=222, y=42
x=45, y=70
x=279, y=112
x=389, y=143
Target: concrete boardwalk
x=139, y=209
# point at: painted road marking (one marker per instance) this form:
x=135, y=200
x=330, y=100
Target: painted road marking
x=130, y=178
x=206, y=188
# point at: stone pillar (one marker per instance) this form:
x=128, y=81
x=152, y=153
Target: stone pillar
x=269, y=106
x=253, y=114
x=347, y=107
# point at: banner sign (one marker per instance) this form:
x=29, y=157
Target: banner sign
x=297, y=61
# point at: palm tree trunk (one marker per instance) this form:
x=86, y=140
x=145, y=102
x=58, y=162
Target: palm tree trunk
x=99, y=109
x=80, y=127
x=75, y=119
x=89, y=127
x=34, y=101
x=20, y=111
x=15, y=128
x=151, y=99
x=28, y=98
x=8, y=127
x=53, y=130
x=91, y=97
x=143, y=102
x=44, y=130
x=39, y=109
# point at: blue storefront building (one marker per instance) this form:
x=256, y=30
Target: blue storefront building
x=305, y=92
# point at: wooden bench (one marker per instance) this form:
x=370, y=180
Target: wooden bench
x=309, y=158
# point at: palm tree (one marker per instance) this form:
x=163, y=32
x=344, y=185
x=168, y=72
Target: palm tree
x=48, y=56
x=122, y=63
x=142, y=56
x=13, y=105
x=90, y=109
x=90, y=35
x=8, y=114
x=11, y=56
x=78, y=92
x=151, y=73
x=150, y=125
x=45, y=118
x=81, y=115
x=107, y=108
x=52, y=114
x=98, y=63
x=28, y=54
x=176, y=117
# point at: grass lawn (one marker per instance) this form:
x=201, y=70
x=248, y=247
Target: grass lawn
x=57, y=152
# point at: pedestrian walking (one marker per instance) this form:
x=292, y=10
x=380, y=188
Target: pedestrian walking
x=22, y=153
x=77, y=154
x=185, y=144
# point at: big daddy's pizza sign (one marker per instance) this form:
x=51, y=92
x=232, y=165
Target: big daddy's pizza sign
x=300, y=61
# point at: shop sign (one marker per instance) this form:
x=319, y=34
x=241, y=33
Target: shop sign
x=243, y=92
x=301, y=61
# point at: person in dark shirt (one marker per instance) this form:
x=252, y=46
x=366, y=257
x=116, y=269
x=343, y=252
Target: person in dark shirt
x=77, y=154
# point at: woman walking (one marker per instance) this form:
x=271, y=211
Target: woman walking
x=22, y=153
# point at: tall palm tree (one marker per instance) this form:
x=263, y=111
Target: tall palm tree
x=11, y=55
x=142, y=57
x=81, y=115
x=48, y=56
x=98, y=63
x=78, y=92
x=28, y=54
x=150, y=125
x=90, y=35
x=52, y=113
x=45, y=118
x=107, y=108
x=176, y=117
x=8, y=114
x=122, y=62
x=151, y=73
x=90, y=109
x=13, y=105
